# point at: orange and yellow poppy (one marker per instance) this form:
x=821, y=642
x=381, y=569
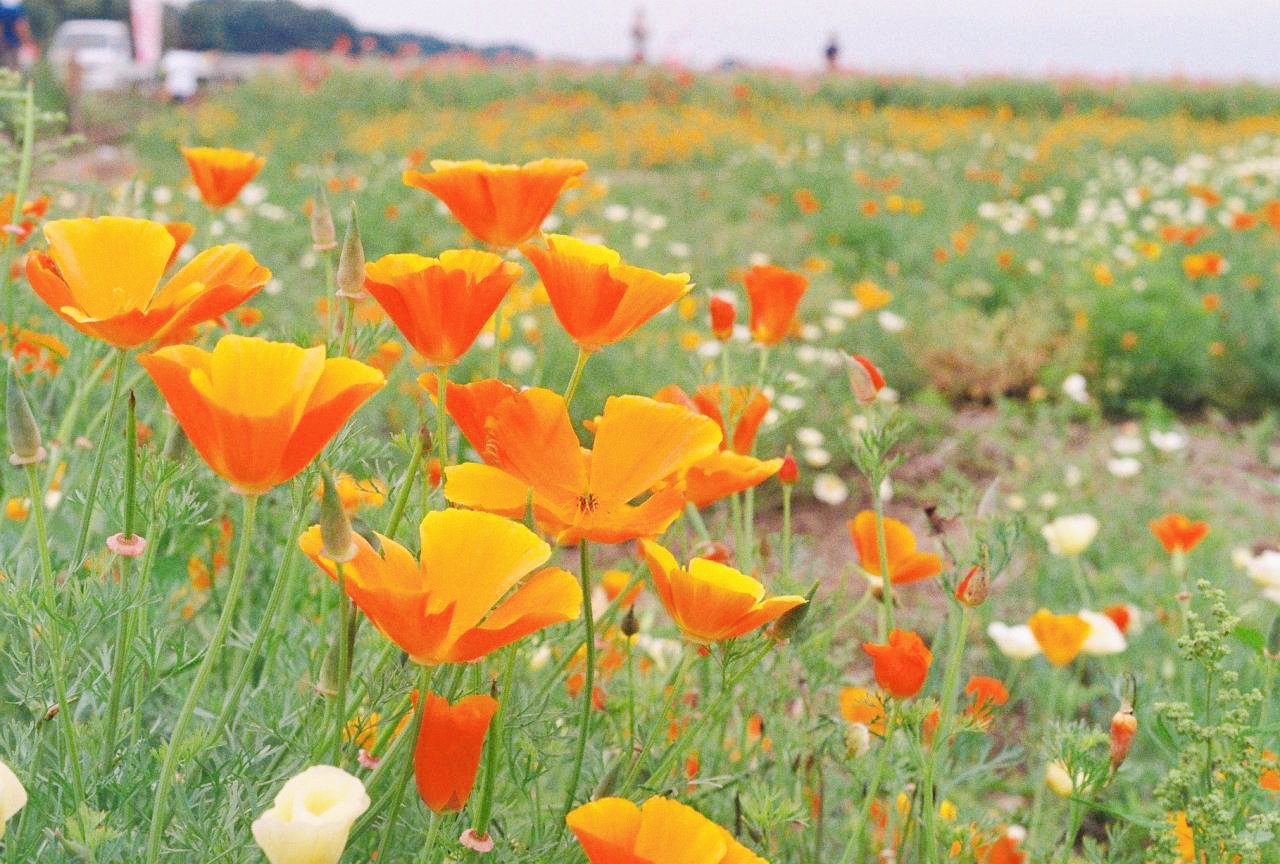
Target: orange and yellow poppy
x=221, y=172
x=905, y=563
x=102, y=276
x=597, y=298
x=501, y=205
x=660, y=831
x=710, y=601
x=859, y=705
x=530, y=447
x=774, y=293
x=447, y=754
x=986, y=692
x=256, y=411
x=447, y=605
x=441, y=304
x=1061, y=637
x=1177, y=533
x=901, y=665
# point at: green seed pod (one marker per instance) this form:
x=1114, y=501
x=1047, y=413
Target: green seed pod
x=24, y=434
x=335, y=527
x=350, y=275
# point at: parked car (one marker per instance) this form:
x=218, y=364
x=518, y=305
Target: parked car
x=102, y=50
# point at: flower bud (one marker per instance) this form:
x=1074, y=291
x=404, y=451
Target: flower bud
x=789, y=622
x=1124, y=725
x=24, y=434
x=1058, y=780
x=789, y=473
x=350, y=276
x=865, y=379
x=723, y=316
x=327, y=685
x=630, y=626
x=335, y=528
x=311, y=817
x=857, y=740
x=974, y=587
x=323, y=236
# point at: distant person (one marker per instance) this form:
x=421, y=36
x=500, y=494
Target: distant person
x=833, y=53
x=16, y=43
x=182, y=71
x=639, y=36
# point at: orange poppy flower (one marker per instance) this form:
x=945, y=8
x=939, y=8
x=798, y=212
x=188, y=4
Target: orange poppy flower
x=901, y=665
x=747, y=409
x=774, y=294
x=221, y=172
x=723, y=317
x=711, y=601
x=181, y=232
x=256, y=411
x=905, y=563
x=986, y=692
x=102, y=276
x=859, y=705
x=598, y=299
x=1060, y=636
x=447, y=755
x=1177, y=533
x=441, y=304
x=641, y=446
x=502, y=205
x=660, y=831
x=447, y=606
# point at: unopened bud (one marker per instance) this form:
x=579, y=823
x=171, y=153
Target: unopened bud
x=328, y=684
x=630, y=626
x=789, y=473
x=1124, y=725
x=857, y=740
x=350, y=276
x=789, y=622
x=974, y=587
x=723, y=316
x=24, y=434
x=865, y=379
x=323, y=236
x=335, y=528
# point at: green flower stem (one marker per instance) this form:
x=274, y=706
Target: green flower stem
x=938, y=753
x=330, y=292
x=53, y=633
x=583, y=356
x=606, y=620
x=159, y=811
x=673, y=686
x=19, y=196
x=863, y=815
x=406, y=487
x=442, y=428
x=886, y=582
x=279, y=587
x=348, y=328
x=124, y=624
x=484, y=810
x=397, y=795
x=723, y=700
x=786, y=534
x=588, y=684
x=91, y=494
x=344, y=664
x=698, y=525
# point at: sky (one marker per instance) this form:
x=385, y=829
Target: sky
x=1221, y=39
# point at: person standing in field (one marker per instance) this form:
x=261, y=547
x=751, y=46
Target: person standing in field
x=639, y=36
x=833, y=52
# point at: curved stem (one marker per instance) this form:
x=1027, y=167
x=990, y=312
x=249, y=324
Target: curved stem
x=485, y=809
x=344, y=663
x=673, y=688
x=424, y=684
x=159, y=810
x=406, y=487
x=941, y=744
x=588, y=683
x=583, y=356
x=91, y=494
x=442, y=428
x=855, y=841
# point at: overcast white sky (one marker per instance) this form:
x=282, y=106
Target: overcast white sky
x=1214, y=38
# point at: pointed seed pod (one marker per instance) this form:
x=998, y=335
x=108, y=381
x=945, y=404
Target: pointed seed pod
x=350, y=276
x=323, y=235
x=24, y=434
x=335, y=528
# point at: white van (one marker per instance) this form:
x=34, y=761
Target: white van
x=102, y=50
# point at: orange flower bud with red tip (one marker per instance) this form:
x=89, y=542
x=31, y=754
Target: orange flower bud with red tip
x=447, y=755
x=902, y=664
x=789, y=473
x=723, y=317
x=865, y=379
x=974, y=587
x=1124, y=725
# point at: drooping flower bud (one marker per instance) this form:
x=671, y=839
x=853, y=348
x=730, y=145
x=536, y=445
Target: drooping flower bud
x=24, y=434
x=865, y=379
x=323, y=235
x=974, y=587
x=335, y=528
x=787, y=625
x=789, y=473
x=1124, y=725
x=723, y=316
x=350, y=276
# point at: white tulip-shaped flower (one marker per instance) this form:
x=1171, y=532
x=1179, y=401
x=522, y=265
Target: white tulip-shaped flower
x=311, y=817
x=1104, y=636
x=13, y=796
x=1016, y=642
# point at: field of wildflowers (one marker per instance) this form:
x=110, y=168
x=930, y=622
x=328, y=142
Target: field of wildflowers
x=435, y=463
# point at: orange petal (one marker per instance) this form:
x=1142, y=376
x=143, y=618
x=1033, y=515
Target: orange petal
x=550, y=596
x=640, y=442
x=447, y=755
